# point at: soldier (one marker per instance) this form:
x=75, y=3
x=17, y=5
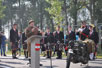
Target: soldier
x=71, y=36
x=14, y=40
x=24, y=45
x=59, y=39
x=84, y=32
x=93, y=35
x=30, y=30
x=48, y=41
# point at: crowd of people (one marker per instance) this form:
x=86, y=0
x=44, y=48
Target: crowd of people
x=54, y=42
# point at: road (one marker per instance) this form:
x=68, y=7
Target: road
x=8, y=62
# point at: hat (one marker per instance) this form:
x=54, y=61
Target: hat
x=31, y=21
x=92, y=25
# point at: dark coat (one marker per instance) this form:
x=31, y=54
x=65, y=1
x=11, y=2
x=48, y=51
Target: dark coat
x=14, y=36
x=94, y=36
x=59, y=37
x=84, y=34
x=23, y=38
x=0, y=39
x=23, y=41
x=71, y=36
x=49, y=38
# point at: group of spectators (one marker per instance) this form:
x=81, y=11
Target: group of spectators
x=54, y=42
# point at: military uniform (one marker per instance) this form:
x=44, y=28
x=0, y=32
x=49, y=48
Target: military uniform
x=48, y=41
x=24, y=45
x=29, y=33
x=71, y=36
x=59, y=37
x=14, y=40
x=84, y=34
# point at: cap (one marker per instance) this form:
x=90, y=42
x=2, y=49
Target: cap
x=31, y=21
x=92, y=25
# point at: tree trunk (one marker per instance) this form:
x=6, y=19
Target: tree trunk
x=52, y=24
x=65, y=9
x=92, y=10
x=0, y=25
x=75, y=17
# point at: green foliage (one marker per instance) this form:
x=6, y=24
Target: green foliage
x=1, y=10
x=55, y=10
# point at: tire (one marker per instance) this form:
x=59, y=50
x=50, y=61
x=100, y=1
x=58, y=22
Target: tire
x=68, y=60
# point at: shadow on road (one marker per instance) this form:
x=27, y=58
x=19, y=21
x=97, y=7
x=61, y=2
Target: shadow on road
x=49, y=66
x=5, y=66
x=93, y=67
x=11, y=62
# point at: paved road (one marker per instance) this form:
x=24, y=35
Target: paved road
x=8, y=62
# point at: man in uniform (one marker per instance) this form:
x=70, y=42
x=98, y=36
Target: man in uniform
x=85, y=31
x=14, y=40
x=93, y=35
x=48, y=41
x=24, y=44
x=71, y=36
x=30, y=30
x=59, y=36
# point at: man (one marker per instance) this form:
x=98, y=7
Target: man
x=48, y=41
x=14, y=40
x=93, y=35
x=3, y=44
x=30, y=30
x=59, y=37
x=71, y=36
x=20, y=42
x=0, y=39
x=24, y=44
x=85, y=31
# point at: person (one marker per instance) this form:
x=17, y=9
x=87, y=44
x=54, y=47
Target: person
x=93, y=35
x=43, y=46
x=24, y=38
x=20, y=42
x=71, y=36
x=14, y=40
x=3, y=42
x=0, y=39
x=49, y=41
x=59, y=37
x=54, y=45
x=84, y=31
x=30, y=30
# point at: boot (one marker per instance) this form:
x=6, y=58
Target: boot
x=29, y=61
x=26, y=54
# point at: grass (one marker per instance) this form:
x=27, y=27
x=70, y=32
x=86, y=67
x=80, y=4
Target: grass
x=99, y=56
x=10, y=52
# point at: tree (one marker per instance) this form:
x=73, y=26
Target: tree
x=55, y=11
x=1, y=13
